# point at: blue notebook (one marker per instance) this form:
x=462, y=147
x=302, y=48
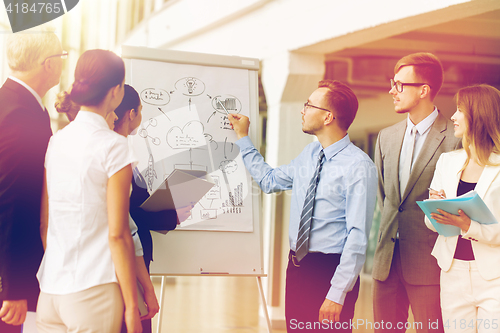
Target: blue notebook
x=472, y=205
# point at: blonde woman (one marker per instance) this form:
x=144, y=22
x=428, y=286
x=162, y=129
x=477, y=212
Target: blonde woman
x=470, y=262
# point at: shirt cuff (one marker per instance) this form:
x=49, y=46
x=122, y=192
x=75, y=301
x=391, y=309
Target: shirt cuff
x=474, y=230
x=244, y=143
x=137, y=246
x=336, y=295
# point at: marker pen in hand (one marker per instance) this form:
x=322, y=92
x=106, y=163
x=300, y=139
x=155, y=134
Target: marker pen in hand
x=442, y=196
x=218, y=101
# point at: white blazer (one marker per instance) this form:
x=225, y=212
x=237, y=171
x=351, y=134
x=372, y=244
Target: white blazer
x=485, y=239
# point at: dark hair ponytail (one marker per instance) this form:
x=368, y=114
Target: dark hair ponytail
x=96, y=72
x=130, y=101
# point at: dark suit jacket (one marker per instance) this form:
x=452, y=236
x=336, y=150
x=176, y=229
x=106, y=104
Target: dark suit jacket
x=146, y=221
x=24, y=136
x=401, y=211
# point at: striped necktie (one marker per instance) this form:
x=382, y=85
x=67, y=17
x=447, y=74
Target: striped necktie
x=306, y=218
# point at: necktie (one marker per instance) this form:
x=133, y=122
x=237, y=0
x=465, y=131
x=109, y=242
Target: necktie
x=306, y=217
x=405, y=175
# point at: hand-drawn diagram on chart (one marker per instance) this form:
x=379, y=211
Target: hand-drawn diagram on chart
x=185, y=126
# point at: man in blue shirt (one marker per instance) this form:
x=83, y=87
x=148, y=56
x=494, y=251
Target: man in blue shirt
x=334, y=187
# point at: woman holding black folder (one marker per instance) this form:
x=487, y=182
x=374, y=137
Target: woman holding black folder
x=470, y=262
x=128, y=120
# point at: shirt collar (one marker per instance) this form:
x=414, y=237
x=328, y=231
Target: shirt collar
x=425, y=124
x=92, y=118
x=34, y=93
x=336, y=147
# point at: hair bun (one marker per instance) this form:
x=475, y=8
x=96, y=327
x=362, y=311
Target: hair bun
x=64, y=104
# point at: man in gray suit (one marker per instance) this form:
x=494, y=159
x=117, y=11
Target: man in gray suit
x=404, y=271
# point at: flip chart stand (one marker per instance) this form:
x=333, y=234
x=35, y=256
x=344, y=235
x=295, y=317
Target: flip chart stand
x=174, y=85
x=259, y=285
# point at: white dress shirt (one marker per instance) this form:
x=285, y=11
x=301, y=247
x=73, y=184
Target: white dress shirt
x=135, y=237
x=423, y=128
x=33, y=92
x=79, y=161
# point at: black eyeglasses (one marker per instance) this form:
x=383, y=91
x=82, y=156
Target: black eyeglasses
x=308, y=105
x=63, y=55
x=400, y=85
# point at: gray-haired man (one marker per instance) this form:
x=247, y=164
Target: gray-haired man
x=35, y=60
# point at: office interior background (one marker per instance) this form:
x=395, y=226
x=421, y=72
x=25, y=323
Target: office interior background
x=297, y=43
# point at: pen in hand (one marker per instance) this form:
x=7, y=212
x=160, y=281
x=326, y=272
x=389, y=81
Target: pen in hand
x=442, y=196
x=219, y=102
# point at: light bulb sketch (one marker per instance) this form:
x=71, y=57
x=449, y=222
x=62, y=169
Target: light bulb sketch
x=190, y=86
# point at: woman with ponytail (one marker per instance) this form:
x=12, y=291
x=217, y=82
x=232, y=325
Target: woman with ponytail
x=87, y=277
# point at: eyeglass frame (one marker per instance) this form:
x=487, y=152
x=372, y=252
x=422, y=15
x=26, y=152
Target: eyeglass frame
x=63, y=55
x=416, y=84
x=307, y=104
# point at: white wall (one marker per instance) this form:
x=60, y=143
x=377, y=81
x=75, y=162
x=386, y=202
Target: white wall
x=261, y=28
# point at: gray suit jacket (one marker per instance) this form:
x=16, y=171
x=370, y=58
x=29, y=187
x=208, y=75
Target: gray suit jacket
x=401, y=211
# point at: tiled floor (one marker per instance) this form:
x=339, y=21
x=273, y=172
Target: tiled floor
x=229, y=304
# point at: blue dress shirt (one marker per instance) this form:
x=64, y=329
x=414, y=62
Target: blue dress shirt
x=344, y=203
